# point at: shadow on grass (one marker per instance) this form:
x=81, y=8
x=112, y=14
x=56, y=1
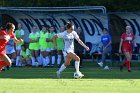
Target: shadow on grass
x=50, y=73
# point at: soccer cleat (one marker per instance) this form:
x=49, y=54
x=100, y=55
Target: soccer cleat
x=58, y=74
x=100, y=64
x=121, y=68
x=106, y=68
x=80, y=74
x=129, y=70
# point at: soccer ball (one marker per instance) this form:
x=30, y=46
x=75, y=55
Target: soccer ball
x=77, y=75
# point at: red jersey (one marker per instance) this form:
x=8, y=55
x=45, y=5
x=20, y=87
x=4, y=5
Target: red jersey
x=3, y=42
x=127, y=40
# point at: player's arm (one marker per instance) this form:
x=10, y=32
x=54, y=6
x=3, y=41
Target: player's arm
x=47, y=38
x=79, y=41
x=31, y=41
x=109, y=37
x=134, y=41
x=120, y=51
x=108, y=44
x=17, y=41
x=54, y=41
x=82, y=44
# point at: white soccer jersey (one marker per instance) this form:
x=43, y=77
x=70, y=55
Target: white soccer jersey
x=68, y=40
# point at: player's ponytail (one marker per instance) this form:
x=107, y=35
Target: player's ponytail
x=69, y=25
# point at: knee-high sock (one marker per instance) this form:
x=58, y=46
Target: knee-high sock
x=41, y=59
x=77, y=63
x=17, y=59
x=59, y=59
x=38, y=60
x=53, y=60
x=62, y=68
x=44, y=62
x=125, y=63
x=48, y=60
x=33, y=61
x=128, y=65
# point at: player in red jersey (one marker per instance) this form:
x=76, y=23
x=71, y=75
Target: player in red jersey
x=5, y=35
x=127, y=39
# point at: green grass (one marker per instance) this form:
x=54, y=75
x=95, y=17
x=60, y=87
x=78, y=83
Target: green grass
x=43, y=80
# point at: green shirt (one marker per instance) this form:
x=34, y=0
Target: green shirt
x=42, y=40
x=19, y=34
x=50, y=36
x=35, y=45
x=59, y=43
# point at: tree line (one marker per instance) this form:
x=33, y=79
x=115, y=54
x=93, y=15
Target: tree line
x=111, y=5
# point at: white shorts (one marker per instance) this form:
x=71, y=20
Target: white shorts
x=65, y=53
x=18, y=47
x=10, y=49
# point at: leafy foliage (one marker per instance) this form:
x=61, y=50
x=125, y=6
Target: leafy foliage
x=111, y=5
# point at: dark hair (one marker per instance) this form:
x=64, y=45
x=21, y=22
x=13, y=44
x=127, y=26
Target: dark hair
x=68, y=25
x=9, y=25
x=105, y=29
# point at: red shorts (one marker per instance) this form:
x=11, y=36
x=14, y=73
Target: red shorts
x=127, y=49
x=2, y=53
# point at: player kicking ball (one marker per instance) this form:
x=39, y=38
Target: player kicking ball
x=69, y=35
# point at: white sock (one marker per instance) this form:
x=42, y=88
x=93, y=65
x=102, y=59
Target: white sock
x=33, y=61
x=47, y=60
x=53, y=60
x=41, y=59
x=59, y=59
x=62, y=68
x=20, y=64
x=44, y=62
x=77, y=63
x=17, y=59
x=38, y=60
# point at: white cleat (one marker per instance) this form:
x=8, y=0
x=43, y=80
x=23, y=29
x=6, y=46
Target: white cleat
x=100, y=64
x=106, y=68
x=58, y=74
x=80, y=74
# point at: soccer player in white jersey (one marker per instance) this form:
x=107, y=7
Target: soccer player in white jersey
x=69, y=35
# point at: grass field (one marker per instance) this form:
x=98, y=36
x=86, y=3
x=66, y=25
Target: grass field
x=43, y=80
